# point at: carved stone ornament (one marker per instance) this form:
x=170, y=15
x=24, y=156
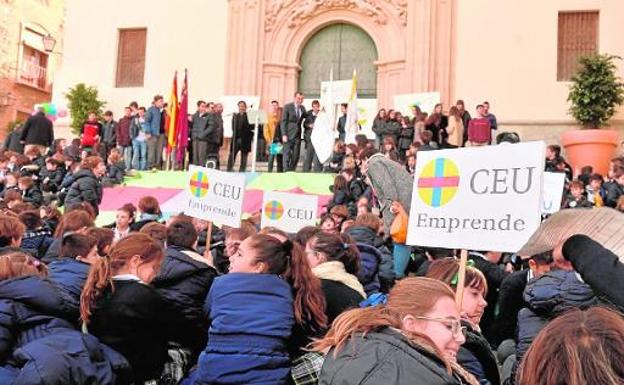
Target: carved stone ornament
x=304, y=10
x=400, y=9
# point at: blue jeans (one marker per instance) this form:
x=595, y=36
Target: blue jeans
x=139, y=159
x=401, y=255
x=126, y=152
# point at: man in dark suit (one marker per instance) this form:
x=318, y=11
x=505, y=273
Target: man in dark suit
x=242, y=135
x=308, y=126
x=290, y=128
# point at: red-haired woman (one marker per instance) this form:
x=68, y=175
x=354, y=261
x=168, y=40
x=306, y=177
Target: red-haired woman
x=413, y=339
x=119, y=306
x=579, y=347
x=149, y=211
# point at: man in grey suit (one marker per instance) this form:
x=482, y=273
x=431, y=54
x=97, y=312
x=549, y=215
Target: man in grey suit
x=290, y=128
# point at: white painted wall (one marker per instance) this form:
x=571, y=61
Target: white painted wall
x=188, y=33
x=507, y=54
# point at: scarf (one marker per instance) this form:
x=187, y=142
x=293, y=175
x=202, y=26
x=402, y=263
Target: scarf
x=335, y=271
x=149, y=217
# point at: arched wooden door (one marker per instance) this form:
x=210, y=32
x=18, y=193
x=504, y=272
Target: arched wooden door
x=343, y=47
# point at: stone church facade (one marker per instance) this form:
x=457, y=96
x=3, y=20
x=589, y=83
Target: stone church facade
x=518, y=55
x=413, y=39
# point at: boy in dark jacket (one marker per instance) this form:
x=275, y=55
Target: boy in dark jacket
x=547, y=297
x=68, y=272
x=615, y=188
x=52, y=175
x=184, y=281
x=123, y=137
x=37, y=238
x=109, y=134
x=36, y=158
x=115, y=169
x=576, y=199
x=30, y=193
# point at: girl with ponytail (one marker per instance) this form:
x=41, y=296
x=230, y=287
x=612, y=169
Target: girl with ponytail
x=119, y=307
x=335, y=259
x=253, y=309
x=413, y=339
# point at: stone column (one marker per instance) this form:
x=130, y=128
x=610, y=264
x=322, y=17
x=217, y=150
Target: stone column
x=244, y=47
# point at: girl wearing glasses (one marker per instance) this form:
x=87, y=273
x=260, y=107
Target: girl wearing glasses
x=413, y=339
x=475, y=354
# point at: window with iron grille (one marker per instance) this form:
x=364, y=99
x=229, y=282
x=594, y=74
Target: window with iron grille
x=131, y=57
x=577, y=37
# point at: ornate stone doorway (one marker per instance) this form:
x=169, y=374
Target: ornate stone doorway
x=413, y=43
x=343, y=48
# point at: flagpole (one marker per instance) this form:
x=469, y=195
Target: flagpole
x=254, y=148
x=332, y=107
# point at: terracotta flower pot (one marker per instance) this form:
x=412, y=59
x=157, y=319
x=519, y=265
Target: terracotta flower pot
x=590, y=148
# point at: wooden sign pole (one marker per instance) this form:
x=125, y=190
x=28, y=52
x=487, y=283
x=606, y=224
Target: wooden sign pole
x=461, y=281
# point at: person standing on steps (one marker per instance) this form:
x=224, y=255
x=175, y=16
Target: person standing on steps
x=290, y=128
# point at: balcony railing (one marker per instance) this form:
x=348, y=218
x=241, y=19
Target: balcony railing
x=33, y=75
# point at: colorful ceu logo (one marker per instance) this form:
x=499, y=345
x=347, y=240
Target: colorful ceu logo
x=199, y=184
x=274, y=210
x=438, y=182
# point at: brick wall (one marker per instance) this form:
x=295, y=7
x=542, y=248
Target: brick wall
x=25, y=98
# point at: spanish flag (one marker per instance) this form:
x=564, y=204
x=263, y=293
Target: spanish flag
x=182, y=126
x=172, y=116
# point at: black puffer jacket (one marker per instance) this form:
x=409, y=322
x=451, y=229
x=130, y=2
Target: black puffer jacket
x=365, y=235
x=86, y=188
x=184, y=283
x=54, y=179
x=33, y=196
x=548, y=296
x=477, y=358
x=599, y=267
x=384, y=357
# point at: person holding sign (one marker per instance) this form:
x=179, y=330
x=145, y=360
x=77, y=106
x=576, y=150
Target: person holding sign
x=475, y=354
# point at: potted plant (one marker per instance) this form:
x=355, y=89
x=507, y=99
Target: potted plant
x=595, y=94
x=82, y=99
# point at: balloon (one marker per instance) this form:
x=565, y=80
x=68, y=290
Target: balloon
x=62, y=113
